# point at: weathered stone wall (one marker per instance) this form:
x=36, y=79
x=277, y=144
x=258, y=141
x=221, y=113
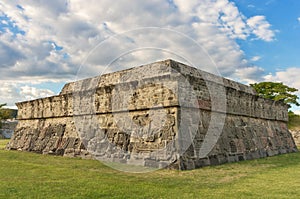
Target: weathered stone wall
x=157, y=115
x=253, y=127
x=243, y=138
x=85, y=116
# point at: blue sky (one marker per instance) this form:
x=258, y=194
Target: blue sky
x=44, y=44
x=284, y=51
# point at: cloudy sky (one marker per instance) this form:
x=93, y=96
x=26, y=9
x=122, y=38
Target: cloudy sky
x=44, y=44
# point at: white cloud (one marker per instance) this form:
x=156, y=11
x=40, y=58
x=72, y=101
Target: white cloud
x=15, y=92
x=18, y=90
x=299, y=19
x=261, y=28
x=8, y=90
x=77, y=27
x=10, y=94
x=33, y=93
x=249, y=75
x=4, y=22
x=255, y=58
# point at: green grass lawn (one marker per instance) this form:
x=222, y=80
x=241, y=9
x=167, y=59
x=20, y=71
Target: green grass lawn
x=29, y=175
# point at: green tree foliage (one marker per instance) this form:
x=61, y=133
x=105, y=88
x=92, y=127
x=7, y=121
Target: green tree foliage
x=277, y=91
x=6, y=113
x=2, y=115
x=2, y=112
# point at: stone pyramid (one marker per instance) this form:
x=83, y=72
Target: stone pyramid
x=163, y=114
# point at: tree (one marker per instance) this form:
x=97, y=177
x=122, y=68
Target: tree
x=276, y=91
x=6, y=113
x=2, y=115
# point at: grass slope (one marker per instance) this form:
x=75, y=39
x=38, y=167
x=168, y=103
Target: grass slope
x=294, y=122
x=29, y=175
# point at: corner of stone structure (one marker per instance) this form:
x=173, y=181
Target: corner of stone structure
x=173, y=64
x=18, y=104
